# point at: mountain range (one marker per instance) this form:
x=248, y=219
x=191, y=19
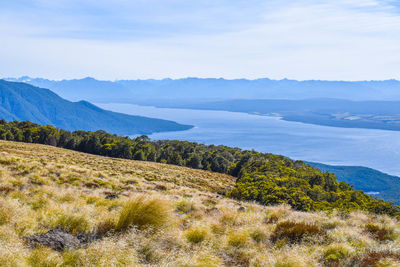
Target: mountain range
x=21, y=101
x=211, y=89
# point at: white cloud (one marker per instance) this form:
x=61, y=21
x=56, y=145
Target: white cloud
x=346, y=39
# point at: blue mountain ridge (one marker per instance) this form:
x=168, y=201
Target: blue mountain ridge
x=21, y=101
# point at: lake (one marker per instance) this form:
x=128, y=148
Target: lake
x=377, y=149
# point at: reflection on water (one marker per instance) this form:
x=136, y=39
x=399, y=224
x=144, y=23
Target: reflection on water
x=377, y=149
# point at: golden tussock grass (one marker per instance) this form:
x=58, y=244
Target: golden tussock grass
x=150, y=214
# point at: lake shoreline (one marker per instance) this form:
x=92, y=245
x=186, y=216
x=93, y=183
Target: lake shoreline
x=377, y=149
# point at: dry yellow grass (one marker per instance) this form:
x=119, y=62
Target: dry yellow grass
x=43, y=187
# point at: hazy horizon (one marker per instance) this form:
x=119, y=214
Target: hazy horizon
x=191, y=77
x=302, y=40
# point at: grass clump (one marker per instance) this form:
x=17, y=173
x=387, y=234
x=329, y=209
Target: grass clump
x=294, y=232
x=380, y=232
x=334, y=254
x=143, y=213
x=43, y=257
x=72, y=258
x=5, y=214
x=238, y=239
x=38, y=203
x=105, y=227
x=147, y=254
x=258, y=235
x=185, y=206
x=72, y=223
x=373, y=258
x=196, y=235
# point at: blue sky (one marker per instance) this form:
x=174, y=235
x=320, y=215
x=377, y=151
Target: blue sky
x=122, y=39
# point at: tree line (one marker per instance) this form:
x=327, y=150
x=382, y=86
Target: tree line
x=266, y=178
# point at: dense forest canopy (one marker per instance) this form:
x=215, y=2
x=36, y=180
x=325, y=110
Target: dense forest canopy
x=266, y=178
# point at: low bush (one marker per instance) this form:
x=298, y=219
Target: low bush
x=294, y=232
x=380, y=232
x=372, y=258
x=143, y=213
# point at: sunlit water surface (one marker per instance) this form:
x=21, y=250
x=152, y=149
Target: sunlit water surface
x=377, y=149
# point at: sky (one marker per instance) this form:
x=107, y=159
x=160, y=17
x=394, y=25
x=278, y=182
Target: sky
x=140, y=39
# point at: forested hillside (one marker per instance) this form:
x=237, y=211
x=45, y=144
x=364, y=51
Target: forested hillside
x=266, y=178
x=378, y=183
x=20, y=101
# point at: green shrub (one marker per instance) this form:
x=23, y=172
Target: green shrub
x=143, y=213
x=294, y=232
x=196, y=235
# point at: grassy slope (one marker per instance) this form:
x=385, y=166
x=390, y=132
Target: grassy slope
x=43, y=187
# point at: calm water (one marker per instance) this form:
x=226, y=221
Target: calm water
x=377, y=149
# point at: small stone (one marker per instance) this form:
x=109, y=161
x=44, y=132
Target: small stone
x=160, y=187
x=242, y=209
x=56, y=239
x=213, y=211
x=111, y=196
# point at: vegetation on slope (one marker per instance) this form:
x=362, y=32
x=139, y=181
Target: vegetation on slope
x=266, y=178
x=20, y=101
x=186, y=224
x=366, y=179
